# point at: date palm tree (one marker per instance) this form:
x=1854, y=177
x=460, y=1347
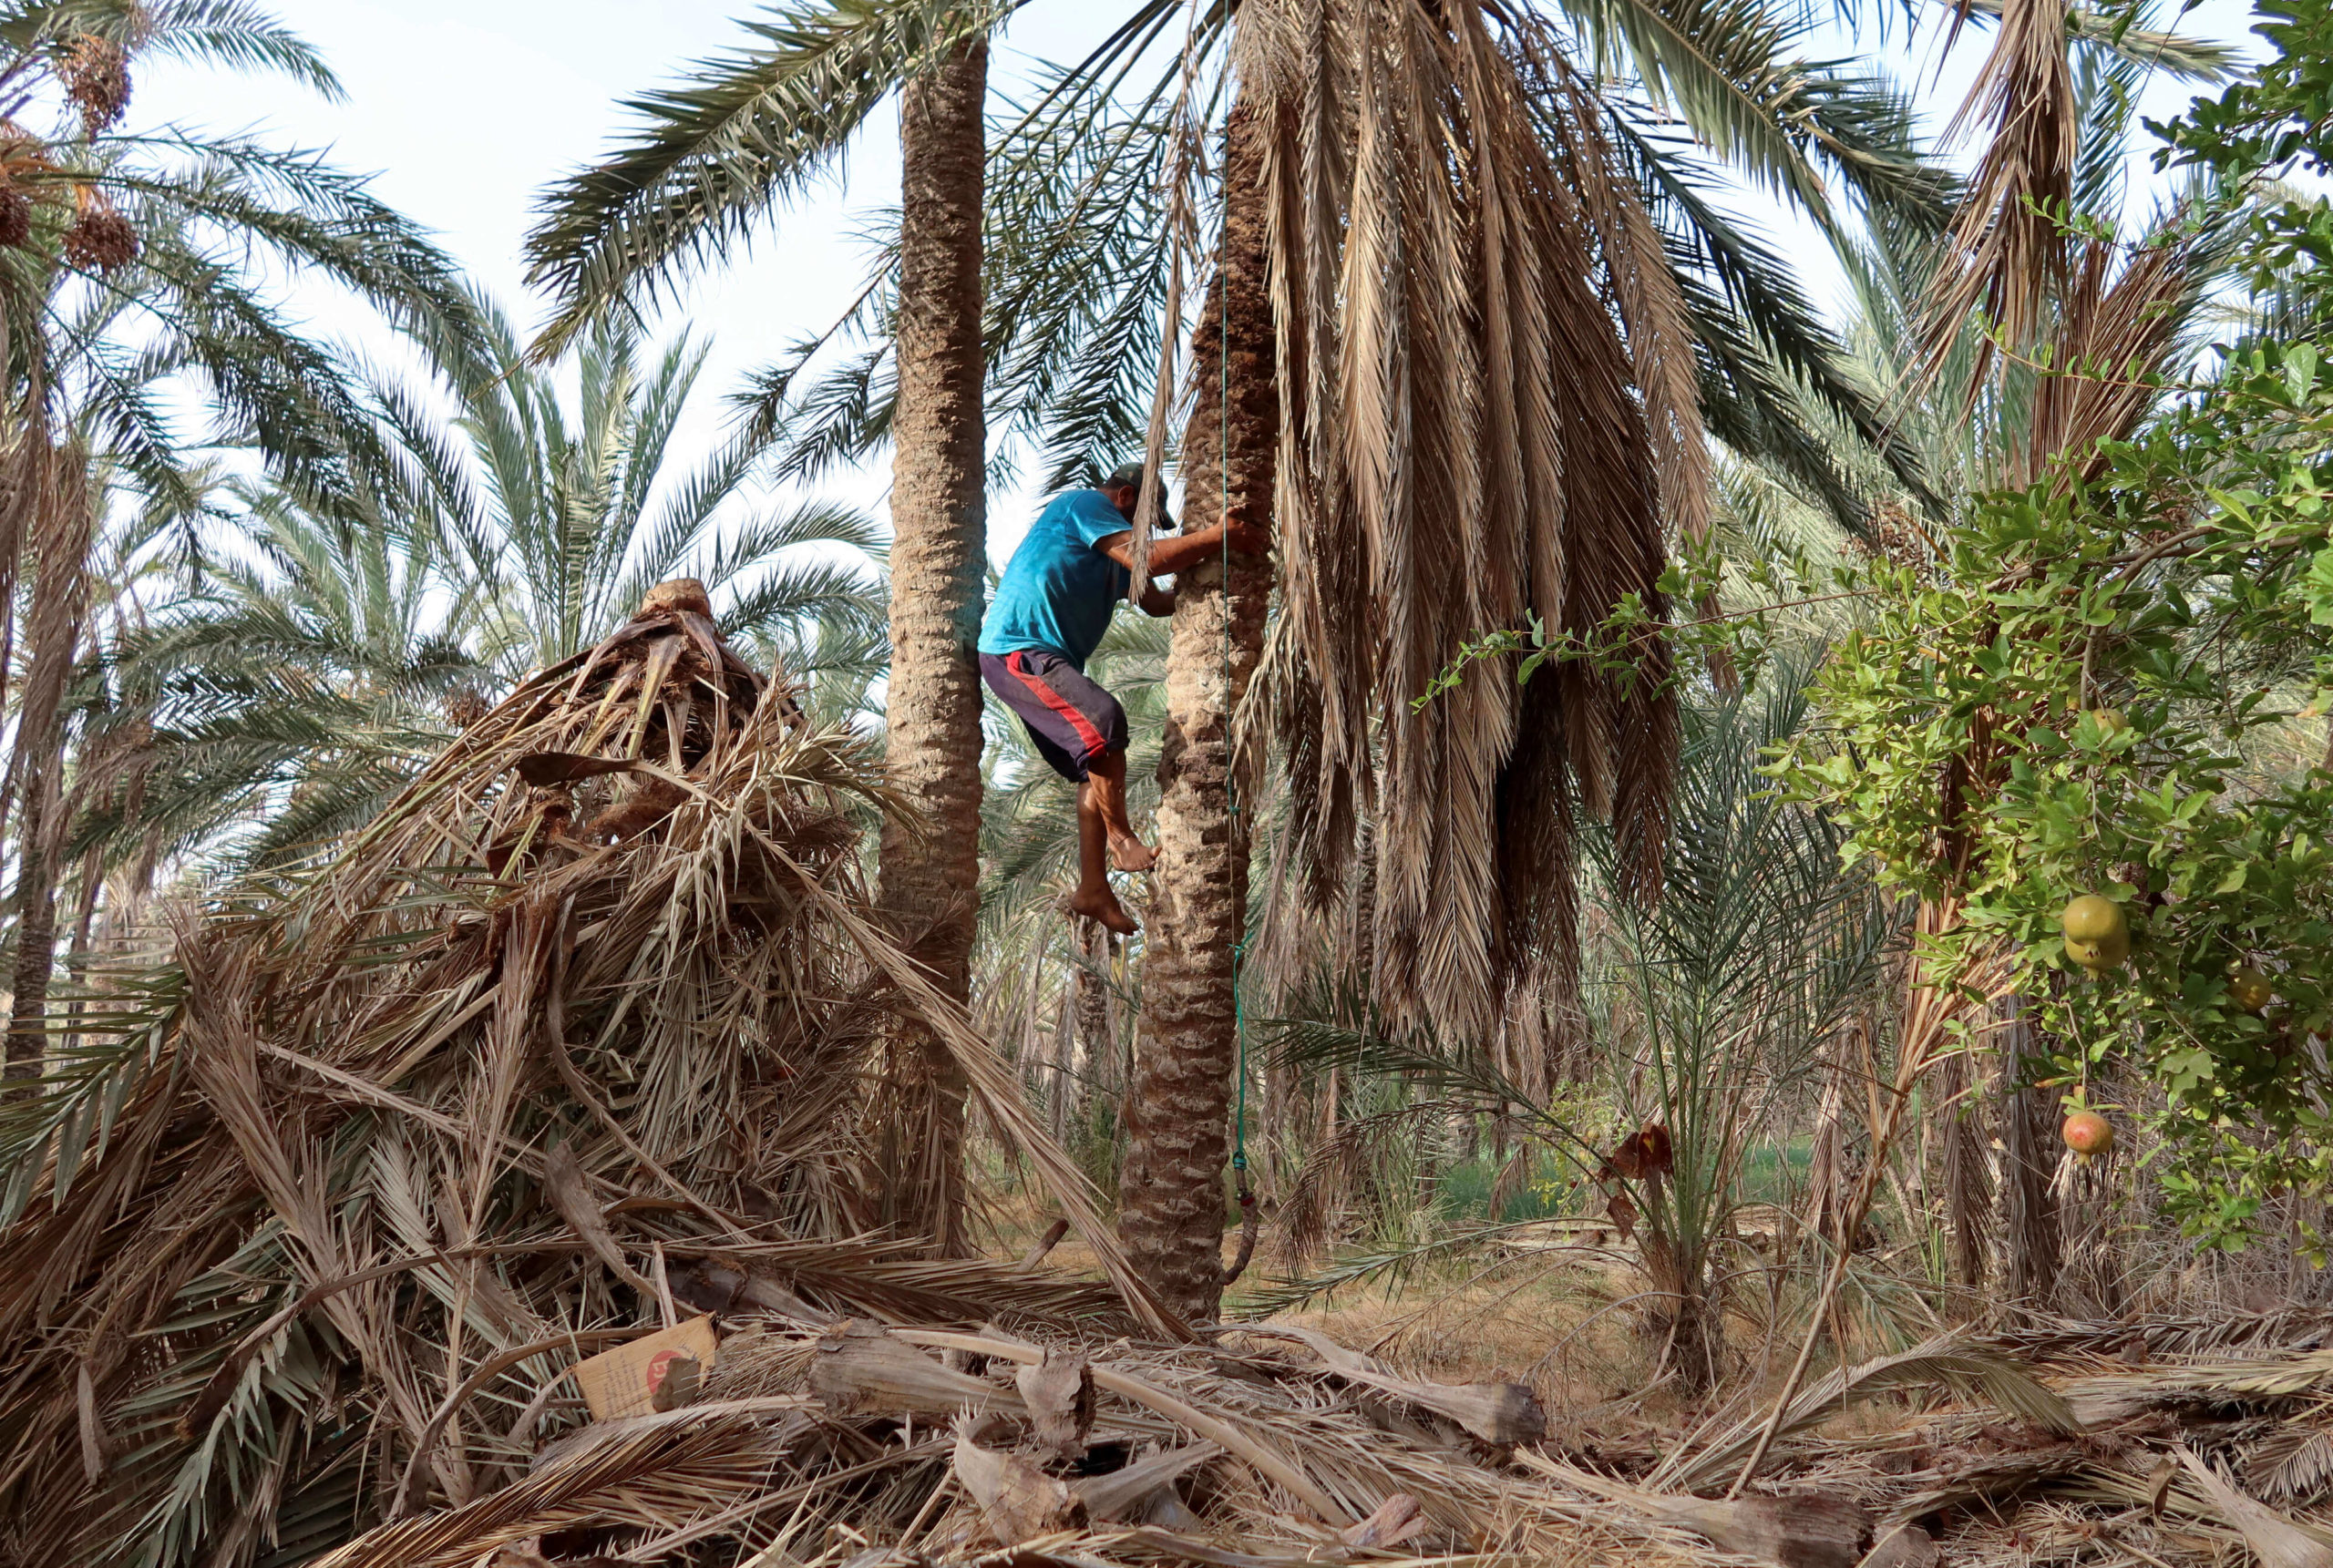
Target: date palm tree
x=1471, y=324
x=557, y=517
x=1514, y=431
x=129, y=268
x=620, y=230
x=272, y=705
x=745, y=132
x=313, y=672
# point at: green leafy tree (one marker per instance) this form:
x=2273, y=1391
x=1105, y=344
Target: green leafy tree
x=2106, y=682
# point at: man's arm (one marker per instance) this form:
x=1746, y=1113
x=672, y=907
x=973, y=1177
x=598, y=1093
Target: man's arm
x=1156, y=600
x=1171, y=553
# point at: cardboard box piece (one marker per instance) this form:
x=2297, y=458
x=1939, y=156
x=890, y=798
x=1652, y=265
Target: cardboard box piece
x=656, y=1372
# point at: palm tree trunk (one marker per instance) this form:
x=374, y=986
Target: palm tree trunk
x=1095, y=1061
x=2034, y=1244
x=58, y=508
x=1172, y=1206
x=1826, y=1175
x=35, y=916
x=930, y=870
x=1967, y=1185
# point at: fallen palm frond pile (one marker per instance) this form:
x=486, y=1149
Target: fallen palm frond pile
x=304, y=1226
x=817, y=1440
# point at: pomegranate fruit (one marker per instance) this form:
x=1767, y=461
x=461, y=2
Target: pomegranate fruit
x=2087, y=1132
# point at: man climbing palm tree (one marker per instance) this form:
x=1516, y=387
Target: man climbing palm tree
x=1051, y=609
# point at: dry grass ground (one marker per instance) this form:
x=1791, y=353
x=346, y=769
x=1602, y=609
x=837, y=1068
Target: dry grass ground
x=2115, y=1482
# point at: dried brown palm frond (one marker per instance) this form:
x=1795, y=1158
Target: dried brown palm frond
x=1487, y=416
x=2166, y=1335
x=1967, y=1367
x=2273, y=1539
x=2295, y=1463
x=2007, y=252
x=595, y=1011
x=2199, y=1383
x=1938, y=996
x=1336, y=1165
x=825, y=1444
x=675, y=1469
x=2116, y=330
x=1253, y=1459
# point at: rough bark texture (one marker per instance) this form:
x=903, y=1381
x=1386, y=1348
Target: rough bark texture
x=930, y=871
x=35, y=922
x=1097, y=1063
x=1172, y=1203
x=56, y=504
x=1967, y=1185
x=2030, y=1150
x=1686, y=1313
x=1826, y=1174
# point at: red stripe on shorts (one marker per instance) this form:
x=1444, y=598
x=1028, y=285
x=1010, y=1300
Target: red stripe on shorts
x=1060, y=704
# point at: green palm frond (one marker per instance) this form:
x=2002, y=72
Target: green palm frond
x=1769, y=352
x=2119, y=36
x=823, y=592
x=1076, y=242
x=562, y=519
x=1725, y=71
x=239, y=37
x=1074, y=282
x=1757, y=926
x=231, y=34
x=746, y=130
x=289, y=698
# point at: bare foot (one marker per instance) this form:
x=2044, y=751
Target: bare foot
x=1131, y=854
x=1101, y=904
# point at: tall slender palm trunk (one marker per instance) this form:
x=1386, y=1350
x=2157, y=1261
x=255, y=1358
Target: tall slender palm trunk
x=1095, y=1058
x=1968, y=1184
x=1172, y=1207
x=930, y=870
x=35, y=916
x=2033, y=1242
x=54, y=503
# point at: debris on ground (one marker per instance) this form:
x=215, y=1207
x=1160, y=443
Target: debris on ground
x=501, y=1193
x=855, y=1444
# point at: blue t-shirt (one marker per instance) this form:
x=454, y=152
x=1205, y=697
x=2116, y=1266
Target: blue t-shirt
x=1058, y=592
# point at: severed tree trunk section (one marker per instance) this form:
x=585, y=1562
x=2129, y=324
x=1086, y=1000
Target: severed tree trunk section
x=1172, y=1207
x=930, y=871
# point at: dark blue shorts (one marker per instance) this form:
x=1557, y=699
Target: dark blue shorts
x=1072, y=720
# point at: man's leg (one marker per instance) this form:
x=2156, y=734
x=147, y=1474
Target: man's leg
x=1081, y=732
x=1105, y=783
x=1094, y=898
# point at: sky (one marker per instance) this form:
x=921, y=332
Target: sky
x=464, y=110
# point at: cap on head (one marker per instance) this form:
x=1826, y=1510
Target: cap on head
x=1134, y=476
